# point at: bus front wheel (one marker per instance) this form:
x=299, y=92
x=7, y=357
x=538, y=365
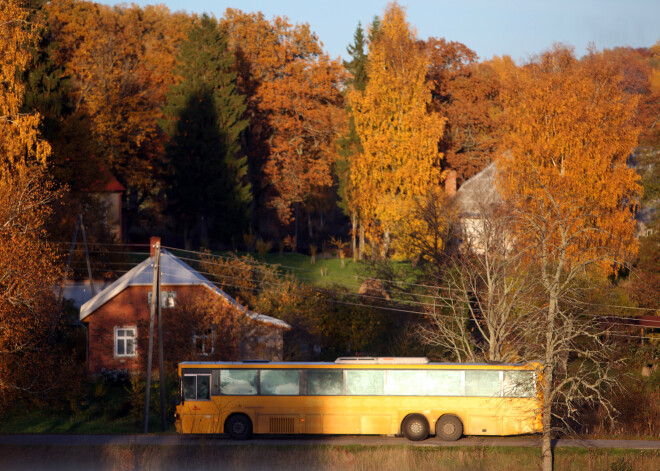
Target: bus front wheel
x=239, y=427
x=449, y=428
x=415, y=427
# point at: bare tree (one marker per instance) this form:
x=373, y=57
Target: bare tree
x=564, y=242
x=512, y=294
x=480, y=307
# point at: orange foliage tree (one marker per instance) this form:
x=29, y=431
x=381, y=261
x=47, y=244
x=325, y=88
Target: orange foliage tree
x=568, y=131
x=400, y=160
x=294, y=103
x=464, y=91
x=20, y=143
x=28, y=264
x=120, y=61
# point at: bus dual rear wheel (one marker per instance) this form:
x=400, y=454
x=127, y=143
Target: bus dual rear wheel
x=415, y=427
x=239, y=427
x=449, y=428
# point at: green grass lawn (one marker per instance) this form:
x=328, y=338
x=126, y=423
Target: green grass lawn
x=324, y=273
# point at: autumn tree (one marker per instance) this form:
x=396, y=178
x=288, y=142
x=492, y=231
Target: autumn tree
x=28, y=263
x=465, y=91
x=568, y=131
x=400, y=159
x=120, y=63
x=294, y=106
x=207, y=185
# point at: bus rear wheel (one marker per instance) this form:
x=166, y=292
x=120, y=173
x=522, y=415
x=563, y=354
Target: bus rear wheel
x=239, y=427
x=415, y=427
x=449, y=428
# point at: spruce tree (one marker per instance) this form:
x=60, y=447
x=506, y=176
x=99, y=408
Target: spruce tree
x=207, y=183
x=357, y=66
x=349, y=144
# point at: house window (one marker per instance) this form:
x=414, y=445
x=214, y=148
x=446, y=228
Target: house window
x=167, y=299
x=204, y=343
x=125, y=341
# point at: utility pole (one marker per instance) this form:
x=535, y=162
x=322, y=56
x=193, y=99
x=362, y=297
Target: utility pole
x=89, y=266
x=161, y=360
x=155, y=304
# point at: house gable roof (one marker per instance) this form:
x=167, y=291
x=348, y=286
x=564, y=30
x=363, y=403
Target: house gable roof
x=476, y=191
x=173, y=272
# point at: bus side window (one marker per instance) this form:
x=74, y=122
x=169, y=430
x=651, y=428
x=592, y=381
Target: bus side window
x=365, y=382
x=325, y=382
x=190, y=387
x=518, y=384
x=280, y=382
x=483, y=383
x=203, y=387
x=239, y=382
x=197, y=387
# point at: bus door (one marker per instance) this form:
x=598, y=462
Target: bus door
x=198, y=413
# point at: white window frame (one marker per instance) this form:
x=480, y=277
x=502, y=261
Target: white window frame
x=209, y=334
x=168, y=299
x=117, y=339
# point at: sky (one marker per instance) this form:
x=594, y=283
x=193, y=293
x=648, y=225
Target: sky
x=518, y=28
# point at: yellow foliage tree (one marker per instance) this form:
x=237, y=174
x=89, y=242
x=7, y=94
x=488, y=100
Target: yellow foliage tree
x=400, y=158
x=28, y=264
x=568, y=130
x=20, y=145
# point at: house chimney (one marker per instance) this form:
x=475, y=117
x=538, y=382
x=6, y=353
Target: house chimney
x=450, y=183
x=153, y=242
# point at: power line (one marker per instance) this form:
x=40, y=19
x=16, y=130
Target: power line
x=255, y=265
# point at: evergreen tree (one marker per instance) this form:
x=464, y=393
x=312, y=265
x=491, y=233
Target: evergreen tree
x=207, y=186
x=349, y=144
x=47, y=89
x=357, y=66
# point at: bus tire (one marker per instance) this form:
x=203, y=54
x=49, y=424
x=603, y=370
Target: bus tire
x=449, y=428
x=415, y=427
x=239, y=427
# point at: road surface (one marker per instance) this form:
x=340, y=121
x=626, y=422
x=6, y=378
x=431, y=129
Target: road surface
x=273, y=440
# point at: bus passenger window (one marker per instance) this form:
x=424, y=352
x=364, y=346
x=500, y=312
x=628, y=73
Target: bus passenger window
x=239, y=382
x=190, y=387
x=484, y=383
x=204, y=387
x=197, y=387
x=365, y=382
x=443, y=383
x=405, y=382
x=325, y=382
x=518, y=384
x=280, y=382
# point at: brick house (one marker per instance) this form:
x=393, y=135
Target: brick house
x=117, y=318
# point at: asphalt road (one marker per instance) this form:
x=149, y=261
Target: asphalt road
x=273, y=440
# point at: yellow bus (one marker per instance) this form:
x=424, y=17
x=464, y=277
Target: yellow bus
x=358, y=395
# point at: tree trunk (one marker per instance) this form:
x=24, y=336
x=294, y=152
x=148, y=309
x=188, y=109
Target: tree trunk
x=386, y=243
x=361, y=248
x=353, y=236
x=310, y=230
x=546, y=442
x=548, y=373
